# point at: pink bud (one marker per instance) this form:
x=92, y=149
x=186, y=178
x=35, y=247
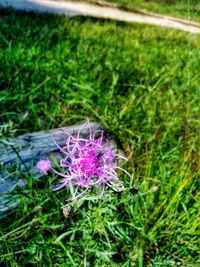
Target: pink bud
x=44, y=165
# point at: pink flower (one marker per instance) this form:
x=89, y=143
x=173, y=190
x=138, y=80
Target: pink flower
x=87, y=162
x=44, y=165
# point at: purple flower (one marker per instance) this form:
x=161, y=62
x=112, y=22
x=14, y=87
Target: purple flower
x=87, y=162
x=44, y=165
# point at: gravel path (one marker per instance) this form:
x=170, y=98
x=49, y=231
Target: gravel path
x=69, y=8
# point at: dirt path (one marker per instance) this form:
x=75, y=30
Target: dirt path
x=69, y=8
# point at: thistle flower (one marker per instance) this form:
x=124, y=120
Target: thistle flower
x=87, y=162
x=44, y=165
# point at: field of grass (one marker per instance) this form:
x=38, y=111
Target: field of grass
x=189, y=9
x=140, y=82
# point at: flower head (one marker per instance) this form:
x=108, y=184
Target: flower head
x=44, y=165
x=88, y=162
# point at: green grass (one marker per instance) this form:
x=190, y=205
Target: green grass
x=189, y=9
x=142, y=83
